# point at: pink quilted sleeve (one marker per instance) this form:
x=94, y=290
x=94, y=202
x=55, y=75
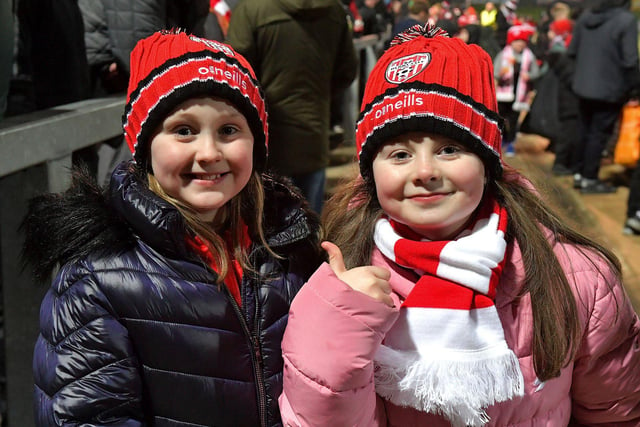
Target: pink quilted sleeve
x=328, y=347
x=606, y=378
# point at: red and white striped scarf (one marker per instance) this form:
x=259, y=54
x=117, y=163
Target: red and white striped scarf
x=446, y=353
x=505, y=91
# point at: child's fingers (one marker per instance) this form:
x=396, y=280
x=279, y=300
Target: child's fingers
x=336, y=261
x=380, y=272
x=381, y=290
x=370, y=280
x=386, y=299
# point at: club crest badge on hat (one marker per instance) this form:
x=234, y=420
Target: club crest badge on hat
x=429, y=82
x=402, y=69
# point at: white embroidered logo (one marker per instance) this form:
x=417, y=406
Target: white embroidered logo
x=402, y=69
x=214, y=45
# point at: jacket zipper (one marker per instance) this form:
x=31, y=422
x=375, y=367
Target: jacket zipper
x=256, y=358
x=254, y=344
x=262, y=395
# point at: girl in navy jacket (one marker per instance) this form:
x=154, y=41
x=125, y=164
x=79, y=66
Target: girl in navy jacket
x=175, y=280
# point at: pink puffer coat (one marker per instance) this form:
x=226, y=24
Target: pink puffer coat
x=334, y=331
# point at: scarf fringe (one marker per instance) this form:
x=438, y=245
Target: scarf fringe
x=459, y=389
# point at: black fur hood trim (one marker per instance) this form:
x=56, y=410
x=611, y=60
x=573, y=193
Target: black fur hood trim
x=60, y=227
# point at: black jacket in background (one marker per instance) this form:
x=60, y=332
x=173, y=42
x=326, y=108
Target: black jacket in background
x=52, y=35
x=113, y=27
x=302, y=52
x=605, y=48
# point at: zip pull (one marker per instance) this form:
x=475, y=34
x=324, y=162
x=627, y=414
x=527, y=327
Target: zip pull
x=256, y=344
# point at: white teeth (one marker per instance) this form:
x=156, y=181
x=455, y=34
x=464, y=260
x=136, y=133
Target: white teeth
x=210, y=177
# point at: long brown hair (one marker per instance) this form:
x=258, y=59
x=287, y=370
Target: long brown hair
x=350, y=215
x=246, y=207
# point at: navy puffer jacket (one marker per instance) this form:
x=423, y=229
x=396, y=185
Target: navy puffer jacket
x=134, y=330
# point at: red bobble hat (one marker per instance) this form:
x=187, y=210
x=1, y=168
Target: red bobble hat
x=428, y=82
x=169, y=67
x=562, y=27
x=520, y=32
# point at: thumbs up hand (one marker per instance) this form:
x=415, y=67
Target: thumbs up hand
x=370, y=280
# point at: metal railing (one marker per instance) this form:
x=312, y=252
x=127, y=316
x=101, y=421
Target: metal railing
x=35, y=157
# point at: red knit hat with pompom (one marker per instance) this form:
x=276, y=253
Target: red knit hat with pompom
x=428, y=82
x=170, y=67
x=520, y=32
x=562, y=27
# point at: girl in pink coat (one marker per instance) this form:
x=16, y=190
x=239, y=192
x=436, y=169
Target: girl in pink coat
x=453, y=295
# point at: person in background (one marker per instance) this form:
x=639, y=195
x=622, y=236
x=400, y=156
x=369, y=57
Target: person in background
x=113, y=28
x=418, y=15
x=175, y=280
x=375, y=16
x=488, y=28
x=469, y=27
x=399, y=9
x=470, y=14
x=470, y=31
x=560, y=33
x=353, y=17
x=560, y=10
x=488, y=15
x=52, y=37
x=566, y=138
x=505, y=18
x=436, y=13
x=303, y=55
x=605, y=48
x=515, y=69
x=556, y=11
x=217, y=22
x=449, y=12
x=453, y=295
x=450, y=26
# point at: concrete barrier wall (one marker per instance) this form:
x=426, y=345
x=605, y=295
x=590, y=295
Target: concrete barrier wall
x=35, y=156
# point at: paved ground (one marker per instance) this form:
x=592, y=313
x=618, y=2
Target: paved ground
x=599, y=216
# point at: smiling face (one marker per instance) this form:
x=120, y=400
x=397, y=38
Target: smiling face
x=202, y=154
x=429, y=182
x=518, y=45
